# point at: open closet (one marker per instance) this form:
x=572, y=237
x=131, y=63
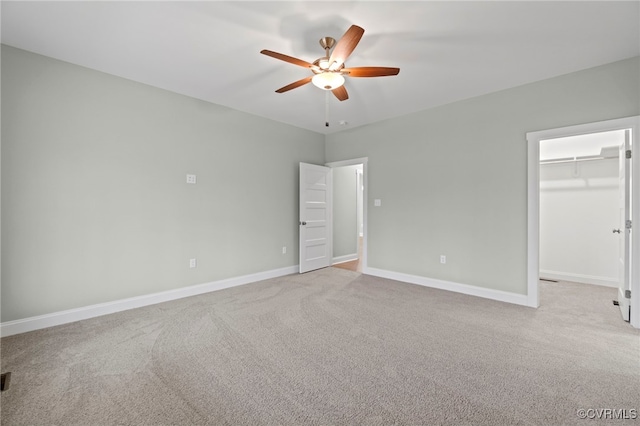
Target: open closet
x=579, y=208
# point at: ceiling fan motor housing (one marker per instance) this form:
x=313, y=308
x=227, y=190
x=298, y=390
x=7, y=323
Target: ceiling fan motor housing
x=326, y=77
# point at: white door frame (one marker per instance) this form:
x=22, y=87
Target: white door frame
x=624, y=236
x=365, y=176
x=533, y=205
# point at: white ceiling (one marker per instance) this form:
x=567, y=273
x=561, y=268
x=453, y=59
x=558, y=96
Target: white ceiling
x=447, y=51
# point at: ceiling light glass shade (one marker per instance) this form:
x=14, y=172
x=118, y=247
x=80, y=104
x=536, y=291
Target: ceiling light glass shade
x=328, y=80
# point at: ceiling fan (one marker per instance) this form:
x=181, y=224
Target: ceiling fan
x=329, y=71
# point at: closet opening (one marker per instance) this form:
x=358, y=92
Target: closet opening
x=581, y=213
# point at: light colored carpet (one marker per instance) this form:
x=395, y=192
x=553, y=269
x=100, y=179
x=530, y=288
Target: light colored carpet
x=330, y=347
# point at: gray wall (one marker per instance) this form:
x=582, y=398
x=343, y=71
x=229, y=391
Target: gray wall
x=345, y=213
x=453, y=179
x=95, y=207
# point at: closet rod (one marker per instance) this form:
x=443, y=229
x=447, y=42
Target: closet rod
x=575, y=159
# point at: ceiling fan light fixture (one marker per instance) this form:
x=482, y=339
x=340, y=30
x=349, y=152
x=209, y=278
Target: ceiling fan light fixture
x=328, y=80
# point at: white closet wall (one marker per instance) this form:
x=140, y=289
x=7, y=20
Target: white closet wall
x=578, y=212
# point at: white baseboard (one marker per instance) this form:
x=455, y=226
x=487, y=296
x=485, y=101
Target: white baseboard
x=579, y=278
x=502, y=296
x=63, y=317
x=345, y=258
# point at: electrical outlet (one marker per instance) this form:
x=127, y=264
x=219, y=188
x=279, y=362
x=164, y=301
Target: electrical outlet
x=284, y=249
x=443, y=259
x=191, y=178
x=192, y=263
x=5, y=380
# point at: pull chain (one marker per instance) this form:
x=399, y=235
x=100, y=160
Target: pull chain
x=326, y=109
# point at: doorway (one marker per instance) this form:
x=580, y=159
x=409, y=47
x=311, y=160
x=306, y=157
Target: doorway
x=348, y=219
x=349, y=214
x=538, y=175
x=579, y=197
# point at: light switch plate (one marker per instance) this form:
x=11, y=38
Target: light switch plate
x=377, y=202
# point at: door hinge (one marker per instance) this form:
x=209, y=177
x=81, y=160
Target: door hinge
x=628, y=153
x=627, y=224
x=627, y=294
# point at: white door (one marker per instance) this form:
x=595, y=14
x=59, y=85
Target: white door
x=624, y=230
x=316, y=221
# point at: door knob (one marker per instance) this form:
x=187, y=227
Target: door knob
x=303, y=223
x=616, y=231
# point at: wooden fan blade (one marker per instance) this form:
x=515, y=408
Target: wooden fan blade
x=370, y=71
x=345, y=46
x=295, y=84
x=289, y=59
x=341, y=93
